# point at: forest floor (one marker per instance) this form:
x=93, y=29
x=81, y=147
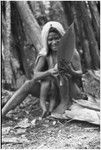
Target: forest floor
x=20, y=129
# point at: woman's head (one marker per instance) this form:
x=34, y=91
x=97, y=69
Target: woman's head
x=51, y=30
x=53, y=39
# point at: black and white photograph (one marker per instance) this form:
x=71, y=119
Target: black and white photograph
x=50, y=74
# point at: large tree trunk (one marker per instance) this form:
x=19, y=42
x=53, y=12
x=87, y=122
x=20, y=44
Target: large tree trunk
x=42, y=7
x=83, y=42
x=20, y=39
x=71, y=13
x=98, y=6
x=70, y=17
x=95, y=20
x=38, y=10
x=94, y=51
x=32, y=33
x=11, y=56
x=32, y=5
x=68, y=12
x=32, y=28
x=7, y=45
x=87, y=57
x=23, y=45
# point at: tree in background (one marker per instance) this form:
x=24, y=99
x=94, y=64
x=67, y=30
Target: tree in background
x=23, y=22
x=81, y=13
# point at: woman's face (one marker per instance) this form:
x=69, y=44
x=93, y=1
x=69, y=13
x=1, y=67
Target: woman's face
x=53, y=40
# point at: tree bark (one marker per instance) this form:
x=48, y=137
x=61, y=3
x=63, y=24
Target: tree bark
x=95, y=20
x=32, y=5
x=33, y=34
x=85, y=46
x=42, y=7
x=32, y=28
x=20, y=39
x=3, y=28
x=13, y=62
x=98, y=6
x=7, y=46
x=83, y=42
x=68, y=12
x=37, y=8
x=23, y=45
x=94, y=51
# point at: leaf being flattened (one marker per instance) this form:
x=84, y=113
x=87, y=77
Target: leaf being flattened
x=66, y=48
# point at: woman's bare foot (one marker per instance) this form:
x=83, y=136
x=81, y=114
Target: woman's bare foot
x=44, y=114
x=48, y=113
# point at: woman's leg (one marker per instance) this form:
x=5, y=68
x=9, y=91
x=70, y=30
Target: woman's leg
x=64, y=96
x=44, y=91
x=54, y=96
x=18, y=97
x=76, y=91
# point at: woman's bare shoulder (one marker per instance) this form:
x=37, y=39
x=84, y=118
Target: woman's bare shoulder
x=42, y=58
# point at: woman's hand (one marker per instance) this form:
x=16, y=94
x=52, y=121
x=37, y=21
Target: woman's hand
x=70, y=68
x=53, y=71
x=77, y=73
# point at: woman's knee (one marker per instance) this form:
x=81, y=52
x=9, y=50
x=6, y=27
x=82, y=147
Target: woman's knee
x=45, y=84
x=45, y=87
x=28, y=82
x=53, y=86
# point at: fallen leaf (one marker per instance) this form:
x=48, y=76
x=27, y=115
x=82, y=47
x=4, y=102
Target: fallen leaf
x=5, y=130
x=14, y=140
x=20, y=131
x=33, y=122
x=23, y=124
x=10, y=140
x=46, y=125
x=54, y=122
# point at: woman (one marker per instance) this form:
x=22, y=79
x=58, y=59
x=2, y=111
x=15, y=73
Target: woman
x=48, y=85
x=46, y=68
x=46, y=65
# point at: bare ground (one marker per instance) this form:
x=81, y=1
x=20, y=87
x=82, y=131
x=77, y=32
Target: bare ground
x=21, y=130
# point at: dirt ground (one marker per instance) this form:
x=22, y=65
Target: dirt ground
x=20, y=130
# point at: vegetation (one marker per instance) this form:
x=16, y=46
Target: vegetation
x=21, y=27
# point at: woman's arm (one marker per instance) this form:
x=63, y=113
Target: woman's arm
x=73, y=72
x=38, y=74
x=41, y=75
x=75, y=66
